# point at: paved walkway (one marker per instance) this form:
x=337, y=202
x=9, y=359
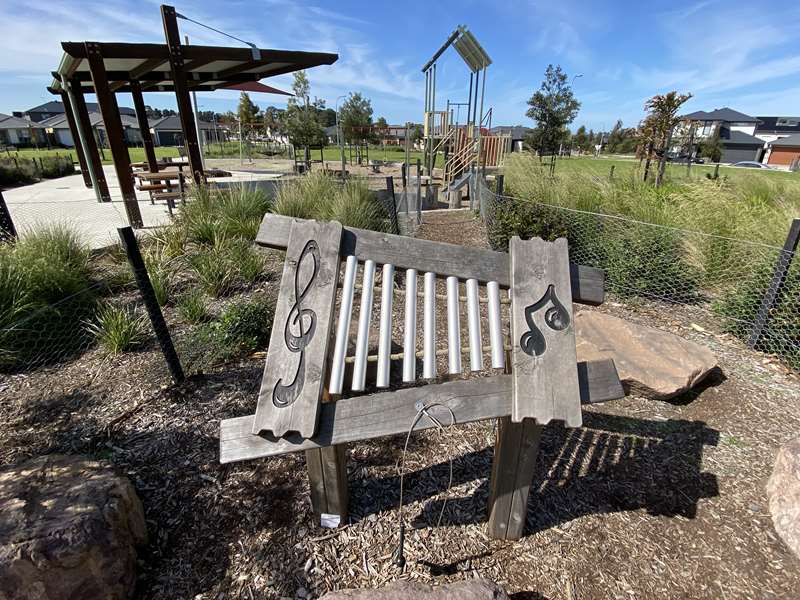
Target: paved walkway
x=68, y=200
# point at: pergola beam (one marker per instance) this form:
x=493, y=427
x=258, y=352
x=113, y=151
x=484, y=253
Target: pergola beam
x=76, y=138
x=116, y=136
x=144, y=126
x=177, y=63
x=86, y=139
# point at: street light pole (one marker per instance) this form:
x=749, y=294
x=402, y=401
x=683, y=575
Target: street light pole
x=339, y=140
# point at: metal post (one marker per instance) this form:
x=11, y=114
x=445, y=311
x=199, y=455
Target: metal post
x=197, y=120
x=419, y=190
x=500, y=181
x=393, y=207
x=772, y=297
x=128, y=239
x=86, y=139
x=7, y=230
x=114, y=131
x=73, y=129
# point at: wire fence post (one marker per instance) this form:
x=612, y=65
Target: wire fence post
x=139, y=269
x=419, y=191
x=772, y=297
x=500, y=184
x=393, y=207
x=7, y=230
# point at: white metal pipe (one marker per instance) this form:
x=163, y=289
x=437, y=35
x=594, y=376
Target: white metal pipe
x=495, y=332
x=453, y=327
x=429, y=328
x=410, y=328
x=364, y=317
x=385, y=333
x=343, y=326
x=474, y=323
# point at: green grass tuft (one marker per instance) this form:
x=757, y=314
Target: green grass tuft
x=118, y=329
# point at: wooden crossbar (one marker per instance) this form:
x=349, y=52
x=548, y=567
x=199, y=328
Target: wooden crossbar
x=588, y=283
x=390, y=413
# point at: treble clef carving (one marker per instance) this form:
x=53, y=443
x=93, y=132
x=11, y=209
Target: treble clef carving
x=303, y=321
x=556, y=318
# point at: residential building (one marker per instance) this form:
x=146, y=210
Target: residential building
x=785, y=151
x=37, y=114
x=59, y=134
x=518, y=134
x=167, y=131
x=15, y=131
x=770, y=129
x=736, y=133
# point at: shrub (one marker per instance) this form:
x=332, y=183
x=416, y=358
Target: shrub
x=20, y=173
x=306, y=197
x=245, y=260
x=118, y=329
x=213, y=270
x=241, y=209
x=243, y=328
x=354, y=205
x=192, y=307
x=159, y=273
x=525, y=219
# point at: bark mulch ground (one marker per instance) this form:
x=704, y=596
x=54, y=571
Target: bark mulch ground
x=649, y=500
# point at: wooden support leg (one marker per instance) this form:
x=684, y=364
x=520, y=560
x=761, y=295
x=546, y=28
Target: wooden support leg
x=327, y=475
x=515, y=453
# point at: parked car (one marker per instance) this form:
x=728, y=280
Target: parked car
x=681, y=158
x=751, y=164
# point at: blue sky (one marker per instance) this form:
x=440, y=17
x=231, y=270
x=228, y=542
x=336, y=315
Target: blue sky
x=742, y=54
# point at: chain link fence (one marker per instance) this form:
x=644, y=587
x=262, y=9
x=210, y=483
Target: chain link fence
x=748, y=289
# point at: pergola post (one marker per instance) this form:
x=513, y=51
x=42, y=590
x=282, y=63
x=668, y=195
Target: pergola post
x=76, y=138
x=144, y=126
x=113, y=125
x=176, y=61
x=87, y=140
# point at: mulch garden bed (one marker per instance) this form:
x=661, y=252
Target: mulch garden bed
x=650, y=499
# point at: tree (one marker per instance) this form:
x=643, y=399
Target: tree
x=660, y=122
x=580, y=139
x=355, y=118
x=615, y=137
x=247, y=110
x=711, y=147
x=553, y=107
x=300, y=121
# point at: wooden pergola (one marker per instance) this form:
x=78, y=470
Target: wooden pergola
x=105, y=69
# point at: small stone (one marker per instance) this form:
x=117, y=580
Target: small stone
x=477, y=588
x=783, y=492
x=301, y=592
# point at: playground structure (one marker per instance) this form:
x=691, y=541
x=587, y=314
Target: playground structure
x=468, y=145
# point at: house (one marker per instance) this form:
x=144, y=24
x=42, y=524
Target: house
x=59, y=134
x=167, y=131
x=770, y=129
x=785, y=151
x=736, y=132
x=518, y=134
x=37, y=114
x=15, y=131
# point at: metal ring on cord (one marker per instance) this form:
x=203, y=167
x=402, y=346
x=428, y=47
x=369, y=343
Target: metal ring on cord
x=422, y=410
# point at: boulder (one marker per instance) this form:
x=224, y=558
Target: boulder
x=471, y=589
x=650, y=362
x=783, y=492
x=68, y=529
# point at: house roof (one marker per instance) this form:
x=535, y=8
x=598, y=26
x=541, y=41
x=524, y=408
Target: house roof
x=517, y=132
x=792, y=140
x=173, y=123
x=95, y=119
x=9, y=122
x=770, y=125
x=721, y=114
x=731, y=137
x=54, y=106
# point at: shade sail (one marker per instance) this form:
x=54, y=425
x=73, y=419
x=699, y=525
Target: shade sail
x=257, y=86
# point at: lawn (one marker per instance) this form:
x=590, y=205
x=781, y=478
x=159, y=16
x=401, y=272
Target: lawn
x=136, y=154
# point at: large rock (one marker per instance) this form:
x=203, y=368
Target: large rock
x=783, y=491
x=472, y=589
x=68, y=528
x=650, y=362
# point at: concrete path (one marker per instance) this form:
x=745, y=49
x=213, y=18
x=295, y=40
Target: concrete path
x=68, y=200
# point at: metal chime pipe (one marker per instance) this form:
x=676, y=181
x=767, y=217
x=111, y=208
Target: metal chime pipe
x=385, y=333
x=495, y=333
x=343, y=326
x=453, y=327
x=474, y=323
x=364, y=317
x=410, y=328
x=429, y=328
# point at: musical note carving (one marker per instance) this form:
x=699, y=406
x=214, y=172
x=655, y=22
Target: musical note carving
x=556, y=318
x=299, y=329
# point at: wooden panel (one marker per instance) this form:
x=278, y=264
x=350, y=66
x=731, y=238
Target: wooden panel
x=438, y=257
x=543, y=356
x=390, y=413
x=298, y=350
x=327, y=478
x=514, y=462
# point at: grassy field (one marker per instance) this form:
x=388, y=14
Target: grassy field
x=136, y=154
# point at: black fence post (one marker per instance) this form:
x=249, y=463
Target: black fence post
x=131, y=246
x=611, y=172
x=419, y=191
x=499, y=184
x=7, y=230
x=393, y=207
x=772, y=297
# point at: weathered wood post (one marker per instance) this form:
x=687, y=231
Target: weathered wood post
x=128, y=239
x=393, y=205
x=772, y=297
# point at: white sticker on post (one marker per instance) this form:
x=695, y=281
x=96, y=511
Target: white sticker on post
x=330, y=521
